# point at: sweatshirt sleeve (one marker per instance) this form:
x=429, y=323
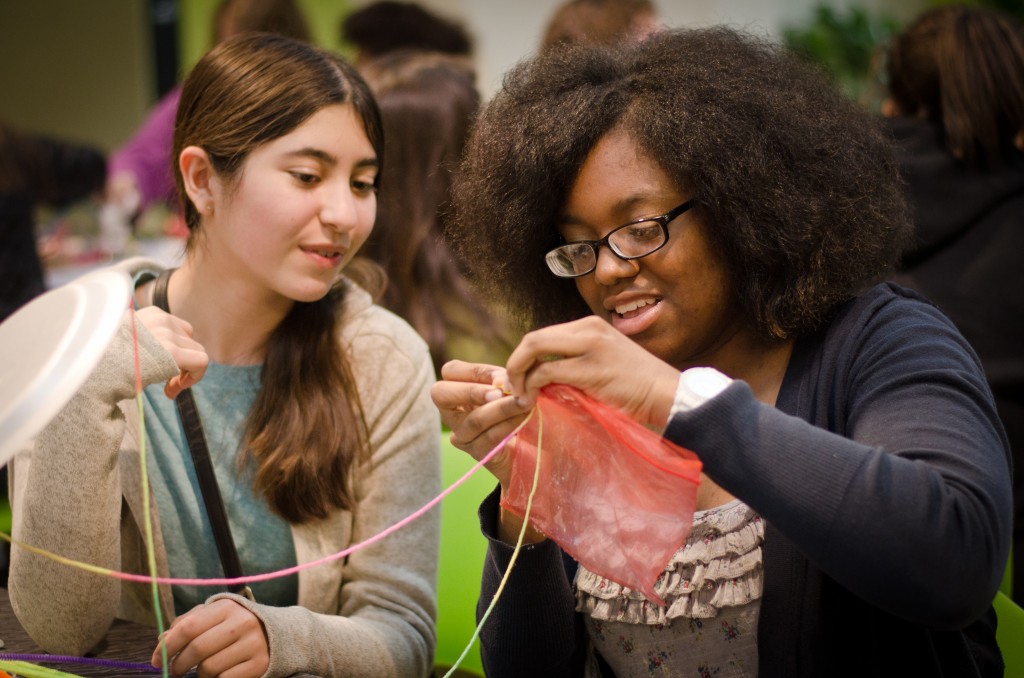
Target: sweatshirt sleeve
x=534, y=629
x=67, y=499
x=902, y=492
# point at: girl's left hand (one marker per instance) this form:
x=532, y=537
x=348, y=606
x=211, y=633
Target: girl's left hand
x=219, y=639
x=175, y=335
x=470, y=399
x=592, y=356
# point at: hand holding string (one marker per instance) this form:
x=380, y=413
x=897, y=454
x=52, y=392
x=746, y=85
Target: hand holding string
x=479, y=412
x=221, y=638
x=600, y=361
x=175, y=335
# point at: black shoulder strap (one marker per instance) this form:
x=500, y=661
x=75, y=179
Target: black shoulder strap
x=196, y=439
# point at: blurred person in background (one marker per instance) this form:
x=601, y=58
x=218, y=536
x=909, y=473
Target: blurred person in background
x=956, y=109
x=428, y=101
x=601, y=22
x=140, y=171
x=388, y=26
x=36, y=170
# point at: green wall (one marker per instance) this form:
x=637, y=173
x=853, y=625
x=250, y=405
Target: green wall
x=195, y=22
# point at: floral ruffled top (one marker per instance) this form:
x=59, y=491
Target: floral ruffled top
x=713, y=588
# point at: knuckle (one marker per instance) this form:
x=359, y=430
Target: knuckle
x=200, y=646
x=482, y=373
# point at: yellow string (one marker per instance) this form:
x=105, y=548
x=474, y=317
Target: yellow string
x=147, y=519
x=95, y=569
x=519, y=543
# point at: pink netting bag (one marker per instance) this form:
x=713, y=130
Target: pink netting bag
x=613, y=494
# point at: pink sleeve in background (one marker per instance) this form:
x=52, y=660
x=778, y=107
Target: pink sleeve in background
x=147, y=155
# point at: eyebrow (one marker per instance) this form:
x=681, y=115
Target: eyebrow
x=622, y=206
x=330, y=160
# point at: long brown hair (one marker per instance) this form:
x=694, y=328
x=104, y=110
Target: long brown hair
x=963, y=69
x=306, y=427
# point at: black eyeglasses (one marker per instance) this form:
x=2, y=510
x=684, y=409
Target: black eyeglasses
x=629, y=241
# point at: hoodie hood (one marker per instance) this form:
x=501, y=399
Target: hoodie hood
x=947, y=196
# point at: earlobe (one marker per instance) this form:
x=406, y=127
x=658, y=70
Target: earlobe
x=198, y=176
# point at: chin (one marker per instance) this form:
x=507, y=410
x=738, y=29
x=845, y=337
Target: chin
x=658, y=349
x=308, y=292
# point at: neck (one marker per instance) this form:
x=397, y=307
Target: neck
x=760, y=363
x=763, y=366
x=232, y=317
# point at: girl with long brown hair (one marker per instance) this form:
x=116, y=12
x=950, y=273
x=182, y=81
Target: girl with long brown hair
x=314, y=403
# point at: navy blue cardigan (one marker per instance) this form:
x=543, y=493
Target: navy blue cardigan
x=883, y=476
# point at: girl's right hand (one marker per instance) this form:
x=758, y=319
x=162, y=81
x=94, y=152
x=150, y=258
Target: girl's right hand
x=175, y=335
x=221, y=638
x=475, y=403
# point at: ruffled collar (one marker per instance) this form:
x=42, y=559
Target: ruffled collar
x=720, y=565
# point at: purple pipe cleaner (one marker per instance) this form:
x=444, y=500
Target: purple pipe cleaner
x=94, y=661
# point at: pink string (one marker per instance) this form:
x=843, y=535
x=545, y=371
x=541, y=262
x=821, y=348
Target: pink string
x=146, y=579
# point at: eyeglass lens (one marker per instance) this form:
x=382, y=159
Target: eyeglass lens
x=630, y=241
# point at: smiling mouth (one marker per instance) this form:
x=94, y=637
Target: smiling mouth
x=327, y=254
x=630, y=309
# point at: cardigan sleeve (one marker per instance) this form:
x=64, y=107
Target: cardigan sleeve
x=534, y=629
x=67, y=499
x=900, y=488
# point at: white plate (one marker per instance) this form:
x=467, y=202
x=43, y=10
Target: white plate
x=50, y=346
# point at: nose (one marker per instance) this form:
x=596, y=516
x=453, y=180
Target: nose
x=338, y=209
x=611, y=268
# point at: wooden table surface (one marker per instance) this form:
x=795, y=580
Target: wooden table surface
x=125, y=642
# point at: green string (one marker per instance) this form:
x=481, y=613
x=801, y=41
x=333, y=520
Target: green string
x=148, y=525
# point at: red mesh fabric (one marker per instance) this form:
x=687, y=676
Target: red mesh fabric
x=613, y=494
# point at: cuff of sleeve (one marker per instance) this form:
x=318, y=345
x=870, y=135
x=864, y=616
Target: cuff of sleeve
x=278, y=669
x=696, y=386
x=116, y=369
x=488, y=513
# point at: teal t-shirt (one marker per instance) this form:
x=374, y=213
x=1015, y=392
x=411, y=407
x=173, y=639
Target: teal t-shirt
x=263, y=539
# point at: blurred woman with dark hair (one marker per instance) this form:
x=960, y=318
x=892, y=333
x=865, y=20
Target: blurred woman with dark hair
x=956, y=108
x=600, y=22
